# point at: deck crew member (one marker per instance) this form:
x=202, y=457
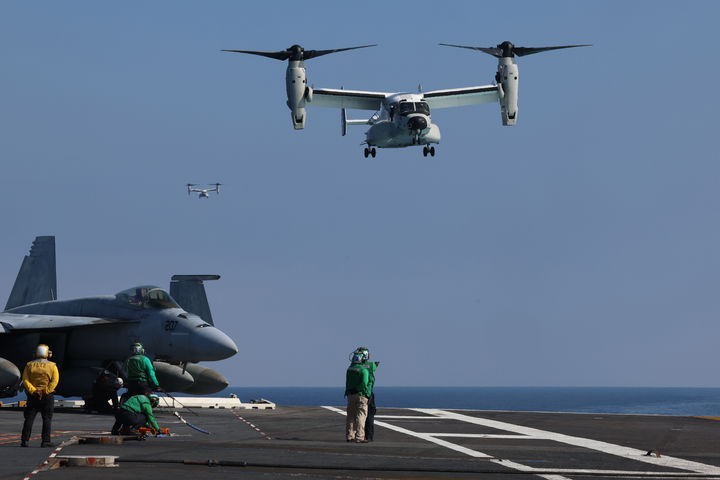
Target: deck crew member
x=39, y=380
x=136, y=412
x=371, y=366
x=140, y=372
x=357, y=380
x=104, y=389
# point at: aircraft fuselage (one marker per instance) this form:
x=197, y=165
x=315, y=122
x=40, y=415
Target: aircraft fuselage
x=404, y=120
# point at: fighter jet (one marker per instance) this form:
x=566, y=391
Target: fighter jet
x=90, y=334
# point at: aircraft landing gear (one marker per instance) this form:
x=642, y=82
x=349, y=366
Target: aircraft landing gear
x=430, y=150
x=370, y=151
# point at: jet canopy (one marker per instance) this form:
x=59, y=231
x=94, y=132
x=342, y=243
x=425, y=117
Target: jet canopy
x=147, y=296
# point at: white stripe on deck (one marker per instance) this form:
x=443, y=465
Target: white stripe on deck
x=432, y=437
x=483, y=435
x=604, y=447
x=528, y=433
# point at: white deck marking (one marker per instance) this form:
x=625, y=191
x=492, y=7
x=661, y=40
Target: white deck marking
x=609, y=448
x=425, y=436
x=406, y=417
x=467, y=451
x=482, y=435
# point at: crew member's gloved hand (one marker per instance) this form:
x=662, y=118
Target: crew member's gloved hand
x=159, y=389
x=40, y=393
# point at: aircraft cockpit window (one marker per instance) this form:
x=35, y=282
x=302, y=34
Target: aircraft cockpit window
x=406, y=108
x=147, y=297
x=422, y=107
x=159, y=298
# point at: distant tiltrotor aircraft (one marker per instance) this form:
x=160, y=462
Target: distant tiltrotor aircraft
x=203, y=192
x=90, y=334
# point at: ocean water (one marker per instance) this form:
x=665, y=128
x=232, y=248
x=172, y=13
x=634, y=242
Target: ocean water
x=628, y=400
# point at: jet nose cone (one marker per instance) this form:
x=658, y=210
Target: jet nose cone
x=417, y=123
x=212, y=344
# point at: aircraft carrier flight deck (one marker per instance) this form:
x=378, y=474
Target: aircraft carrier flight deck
x=309, y=443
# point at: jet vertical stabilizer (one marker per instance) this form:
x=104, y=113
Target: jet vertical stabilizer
x=189, y=292
x=36, y=281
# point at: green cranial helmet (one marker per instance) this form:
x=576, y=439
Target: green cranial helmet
x=154, y=400
x=137, y=349
x=364, y=352
x=356, y=357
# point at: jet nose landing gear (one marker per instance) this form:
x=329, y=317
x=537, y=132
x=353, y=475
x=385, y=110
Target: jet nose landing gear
x=370, y=151
x=430, y=150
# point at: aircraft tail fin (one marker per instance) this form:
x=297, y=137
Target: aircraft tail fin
x=37, y=280
x=189, y=292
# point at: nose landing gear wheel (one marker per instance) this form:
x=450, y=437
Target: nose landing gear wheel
x=432, y=151
x=367, y=152
x=425, y=151
x=372, y=152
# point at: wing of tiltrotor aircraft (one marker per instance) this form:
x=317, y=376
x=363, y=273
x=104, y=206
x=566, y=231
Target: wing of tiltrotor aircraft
x=364, y=100
x=460, y=97
x=354, y=99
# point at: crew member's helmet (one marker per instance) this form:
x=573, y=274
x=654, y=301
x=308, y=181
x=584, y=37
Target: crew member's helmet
x=364, y=352
x=356, y=357
x=360, y=355
x=154, y=400
x=42, y=351
x=137, y=349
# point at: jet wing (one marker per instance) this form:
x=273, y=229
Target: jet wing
x=10, y=322
x=353, y=99
x=458, y=97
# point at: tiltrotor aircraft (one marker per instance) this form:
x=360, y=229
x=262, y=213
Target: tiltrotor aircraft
x=88, y=335
x=400, y=119
x=203, y=192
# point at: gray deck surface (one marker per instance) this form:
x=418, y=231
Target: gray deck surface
x=309, y=442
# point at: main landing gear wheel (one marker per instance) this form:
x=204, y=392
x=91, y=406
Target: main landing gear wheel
x=370, y=151
x=430, y=150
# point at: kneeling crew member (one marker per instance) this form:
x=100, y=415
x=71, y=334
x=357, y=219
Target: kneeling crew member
x=136, y=412
x=39, y=379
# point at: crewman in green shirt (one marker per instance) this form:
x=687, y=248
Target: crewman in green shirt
x=140, y=373
x=357, y=391
x=136, y=412
x=371, y=367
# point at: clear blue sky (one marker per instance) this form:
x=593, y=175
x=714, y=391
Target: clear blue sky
x=578, y=248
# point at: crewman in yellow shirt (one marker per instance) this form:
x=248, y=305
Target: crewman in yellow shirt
x=39, y=379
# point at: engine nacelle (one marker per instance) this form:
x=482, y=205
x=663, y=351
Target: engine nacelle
x=295, y=84
x=9, y=378
x=507, y=77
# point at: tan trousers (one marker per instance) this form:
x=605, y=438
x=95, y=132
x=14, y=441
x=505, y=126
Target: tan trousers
x=357, y=411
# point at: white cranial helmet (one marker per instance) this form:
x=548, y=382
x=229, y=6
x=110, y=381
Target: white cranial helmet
x=42, y=351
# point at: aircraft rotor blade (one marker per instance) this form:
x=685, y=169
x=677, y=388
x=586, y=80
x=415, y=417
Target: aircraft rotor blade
x=317, y=53
x=507, y=49
x=494, y=51
x=281, y=55
x=296, y=52
x=522, y=51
